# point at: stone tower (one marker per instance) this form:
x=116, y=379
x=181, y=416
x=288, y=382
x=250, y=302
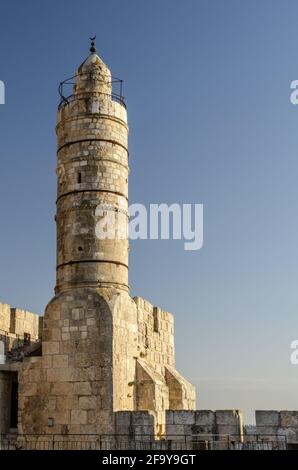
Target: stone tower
x=92, y=171
x=102, y=351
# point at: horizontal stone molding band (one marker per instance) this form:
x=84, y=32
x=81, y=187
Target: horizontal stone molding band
x=93, y=140
x=116, y=193
x=93, y=159
x=83, y=208
x=69, y=286
x=78, y=117
x=69, y=263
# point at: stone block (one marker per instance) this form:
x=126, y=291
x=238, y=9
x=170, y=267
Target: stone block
x=169, y=417
x=267, y=418
x=145, y=432
x=142, y=418
x=205, y=417
x=60, y=361
x=228, y=430
x=29, y=389
x=34, y=375
x=228, y=417
x=82, y=360
x=184, y=417
x=175, y=432
x=46, y=362
x=78, y=417
x=52, y=404
x=50, y=347
x=220, y=445
x=123, y=418
x=82, y=388
x=62, y=417
x=62, y=375
x=267, y=430
x=55, y=334
x=203, y=429
x=87, y=403
x=290, y=433
x=62, y=388
x=77, y=313
x=288, y=419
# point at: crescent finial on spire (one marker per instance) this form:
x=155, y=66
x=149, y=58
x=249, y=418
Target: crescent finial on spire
x=93, y=47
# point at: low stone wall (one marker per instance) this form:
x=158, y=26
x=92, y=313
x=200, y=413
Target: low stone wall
x=15, y=323
x=183, y=424
x=278, y=423
x=201, y=423
x=4, y=317
x=137, y=424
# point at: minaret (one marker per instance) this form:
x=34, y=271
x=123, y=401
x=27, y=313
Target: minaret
x=92, y=173
x=85, y=371
x=102, y=351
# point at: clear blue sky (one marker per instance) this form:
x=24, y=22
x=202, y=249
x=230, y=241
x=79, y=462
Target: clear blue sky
x=207, y=85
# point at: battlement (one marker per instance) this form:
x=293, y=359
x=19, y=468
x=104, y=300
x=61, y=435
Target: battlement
x=184, y=426
x=156, y=334
x=282, y=423
x=18, y=326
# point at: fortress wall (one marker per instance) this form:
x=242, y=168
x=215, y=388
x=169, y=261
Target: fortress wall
x=26, y=322
x=4, y=317
x=156, y=335
x=202, y=423
x=282, y=423
x=14, y=323
x=137, y=424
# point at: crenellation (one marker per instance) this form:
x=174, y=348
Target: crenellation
x=19, y=329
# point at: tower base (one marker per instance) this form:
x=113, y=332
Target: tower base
x=102, y=352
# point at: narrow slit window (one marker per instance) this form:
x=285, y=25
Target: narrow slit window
x=79, y=178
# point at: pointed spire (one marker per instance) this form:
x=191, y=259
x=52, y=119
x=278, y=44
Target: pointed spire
x=93, y=47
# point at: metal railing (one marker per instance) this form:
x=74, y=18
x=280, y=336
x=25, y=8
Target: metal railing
x=141, y=442
x=68, y=99
x=70, y=82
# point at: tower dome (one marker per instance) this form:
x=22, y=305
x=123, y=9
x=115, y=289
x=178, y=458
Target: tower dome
x=93, y=75
x=93, y=63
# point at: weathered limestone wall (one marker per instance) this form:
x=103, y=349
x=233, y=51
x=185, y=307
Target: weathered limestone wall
x=156, y=349
x=155, y=335
x=282, y=423
x=69, y=389
x=183, y=424
x=25, y=322
x=97, y=359
x=104, y=354
x=4, y=318
x=125, y=352
x=137, y=424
